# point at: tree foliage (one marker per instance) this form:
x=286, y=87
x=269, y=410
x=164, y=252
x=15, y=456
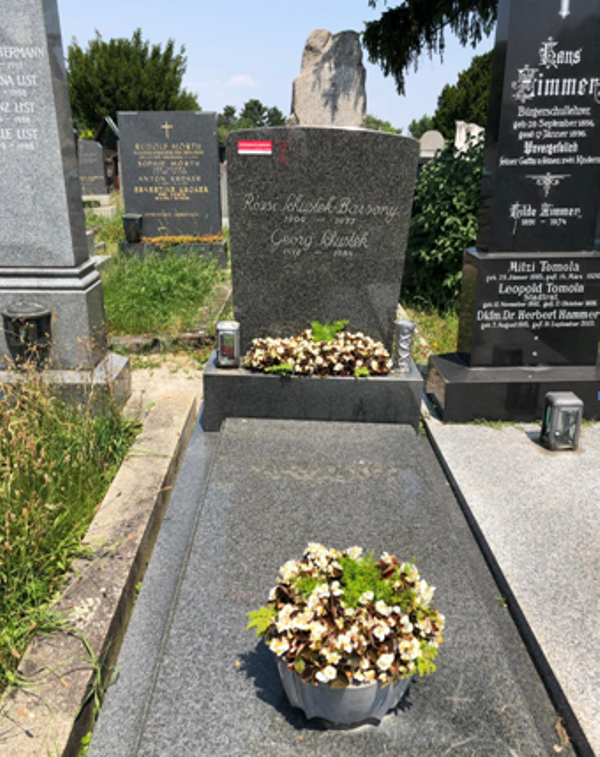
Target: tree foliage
x=467, y=100
x=418, y=126
x=443, y=225
x=377, y=124
x=254, y=114
x=405, y=31
x=125, y=74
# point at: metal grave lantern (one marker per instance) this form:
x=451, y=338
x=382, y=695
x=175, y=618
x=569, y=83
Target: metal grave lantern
x=28, y=332
x=228, y=344
x=132, y=224
x=561, y=423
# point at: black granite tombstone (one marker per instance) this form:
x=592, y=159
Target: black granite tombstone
x=531, y=289
x=92, y=169
x=170, y=171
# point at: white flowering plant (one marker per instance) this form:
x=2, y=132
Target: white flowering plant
x=344, y=618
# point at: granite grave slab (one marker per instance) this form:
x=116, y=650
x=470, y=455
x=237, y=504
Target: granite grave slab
x=208, y=687
x=92, y=167
x=531, y=288
x=319, y=221
x=169, y=168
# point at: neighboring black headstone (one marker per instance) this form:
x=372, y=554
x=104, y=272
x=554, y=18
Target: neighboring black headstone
x=319, y=221
x=44, y=262
x=169, y=169
x=92, y=167
x=531, y=289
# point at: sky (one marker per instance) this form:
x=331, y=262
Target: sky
x=239, y=50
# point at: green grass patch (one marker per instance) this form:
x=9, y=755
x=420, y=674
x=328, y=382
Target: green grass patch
x=439, y=330
x=57, y=463
x=161, y=294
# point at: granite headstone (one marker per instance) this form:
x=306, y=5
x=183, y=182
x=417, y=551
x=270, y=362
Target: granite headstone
x=330, y=90
x=169, y=169
x=319, y=221
x=531, y=289
x=43, y=249
x=92, y=167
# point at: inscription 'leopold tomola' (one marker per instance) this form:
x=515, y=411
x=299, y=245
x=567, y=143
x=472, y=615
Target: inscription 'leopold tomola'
x=334, y=206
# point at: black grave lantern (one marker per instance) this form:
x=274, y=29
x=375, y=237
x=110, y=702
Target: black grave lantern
x=561, y=423
x=132, y=223
x=28, y=331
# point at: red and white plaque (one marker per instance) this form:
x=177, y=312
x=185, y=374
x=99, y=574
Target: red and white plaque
x=255, y=147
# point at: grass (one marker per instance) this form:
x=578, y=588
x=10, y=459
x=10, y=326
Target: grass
x=161, y=294
x=57, y=463
x=438, y=329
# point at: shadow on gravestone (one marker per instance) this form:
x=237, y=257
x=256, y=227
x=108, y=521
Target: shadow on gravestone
x=330, y=90
x=44, y=262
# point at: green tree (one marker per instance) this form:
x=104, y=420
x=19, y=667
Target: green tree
x=253, y=114
x=443, y=225
x=376, y=124
x=125, y=74
x=418, y=126
x=467, y=100
x=405, y=31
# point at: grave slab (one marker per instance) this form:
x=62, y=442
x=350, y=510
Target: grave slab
x=319, y=220
x=240, y=393
x=170, y=171
x=274, y=486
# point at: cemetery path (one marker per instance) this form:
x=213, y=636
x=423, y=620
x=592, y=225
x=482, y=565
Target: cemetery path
x=192, y=681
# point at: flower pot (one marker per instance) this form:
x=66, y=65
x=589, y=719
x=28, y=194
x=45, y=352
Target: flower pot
x=349, y=706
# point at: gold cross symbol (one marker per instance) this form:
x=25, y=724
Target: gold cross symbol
x=166, y=126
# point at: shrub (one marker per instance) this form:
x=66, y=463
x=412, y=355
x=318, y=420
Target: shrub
x=443, y=225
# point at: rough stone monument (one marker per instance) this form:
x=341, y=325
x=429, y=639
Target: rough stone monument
x=330, y=90
x=170, y=171
x=530, y=310
x=319, y=220
x=44, y=263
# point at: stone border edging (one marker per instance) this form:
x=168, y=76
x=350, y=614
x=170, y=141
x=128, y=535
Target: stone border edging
x=55, y=708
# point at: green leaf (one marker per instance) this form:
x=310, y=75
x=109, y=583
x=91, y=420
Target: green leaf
x=325, y=332
x=283, y=369
x=261, y=619
x=299, y=665
x=341, y=682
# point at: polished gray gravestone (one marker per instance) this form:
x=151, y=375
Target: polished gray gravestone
x=169, y=167
x=319, y=221
x=43, y=249
x=531, y=289
x=193, y=681
x=92, y=167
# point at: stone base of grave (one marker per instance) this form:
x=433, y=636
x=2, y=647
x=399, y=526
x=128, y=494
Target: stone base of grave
x=218, y=250
x=463, y=394
x=239, y=393
x=112, y=376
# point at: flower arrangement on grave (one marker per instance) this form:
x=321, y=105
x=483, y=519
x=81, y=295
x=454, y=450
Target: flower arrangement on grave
x=344, y=618
x=323, y=350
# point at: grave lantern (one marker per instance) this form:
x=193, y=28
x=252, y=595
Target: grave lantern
x=28, y=331
x=228, y=344
x=561, y=423
x=132, y=223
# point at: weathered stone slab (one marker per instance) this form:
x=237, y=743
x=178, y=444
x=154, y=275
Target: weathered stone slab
x=170, y=171
x=92, y=169
x=330, y=90
x=319, y=221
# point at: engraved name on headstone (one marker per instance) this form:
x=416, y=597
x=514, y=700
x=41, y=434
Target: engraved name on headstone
x=540, y=303
x=43, y=248
x=319, y=221
x=170, y=171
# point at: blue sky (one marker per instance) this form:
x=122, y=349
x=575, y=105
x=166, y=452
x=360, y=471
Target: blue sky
x=242, y=49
